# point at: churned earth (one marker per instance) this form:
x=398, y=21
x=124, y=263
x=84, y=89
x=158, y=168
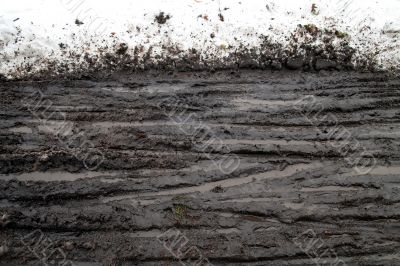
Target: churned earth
x=107, y=170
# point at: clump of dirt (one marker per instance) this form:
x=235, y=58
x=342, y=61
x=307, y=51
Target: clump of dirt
x=122, y=48
x=62, y=45
x=78, y=22
x=205, y=17
x=162, y=18
x=341, y=34
x=315, y=49
x=312, y=29
x=314, y=9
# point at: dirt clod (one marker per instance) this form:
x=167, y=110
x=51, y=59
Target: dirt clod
x=78, y=22
x=122, y=48
x=295, y=63
x=161, y=18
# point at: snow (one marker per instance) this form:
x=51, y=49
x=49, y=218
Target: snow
x=33, y=30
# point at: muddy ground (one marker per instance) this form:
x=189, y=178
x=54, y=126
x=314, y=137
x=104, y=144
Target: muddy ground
x=109, y=171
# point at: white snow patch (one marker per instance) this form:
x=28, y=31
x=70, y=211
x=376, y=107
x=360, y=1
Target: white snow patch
x=34, y=30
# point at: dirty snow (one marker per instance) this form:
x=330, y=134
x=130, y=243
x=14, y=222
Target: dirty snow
x=34, y=32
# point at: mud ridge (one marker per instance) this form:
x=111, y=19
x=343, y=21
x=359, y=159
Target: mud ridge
x=158, y=174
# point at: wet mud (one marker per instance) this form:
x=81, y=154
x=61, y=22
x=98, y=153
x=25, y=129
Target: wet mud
x=105, y=167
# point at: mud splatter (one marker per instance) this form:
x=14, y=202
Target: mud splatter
x=162, y=18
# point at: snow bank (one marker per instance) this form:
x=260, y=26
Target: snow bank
x=68, y=36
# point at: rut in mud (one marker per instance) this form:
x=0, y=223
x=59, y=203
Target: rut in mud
x=227, y=159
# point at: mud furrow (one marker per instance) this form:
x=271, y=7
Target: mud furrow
x=232, y=162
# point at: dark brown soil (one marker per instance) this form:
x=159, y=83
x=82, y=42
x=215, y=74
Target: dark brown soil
x=291, y=183
x=162, y=18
